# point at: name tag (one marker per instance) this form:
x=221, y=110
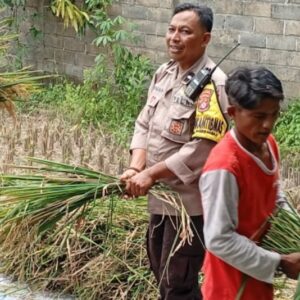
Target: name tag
x=182, y=99
x=158, y=89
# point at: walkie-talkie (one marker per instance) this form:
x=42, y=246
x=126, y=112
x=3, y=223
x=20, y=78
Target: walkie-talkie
x=202, y=78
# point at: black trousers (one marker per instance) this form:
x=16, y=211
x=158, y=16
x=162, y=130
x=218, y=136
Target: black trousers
x=177, y=276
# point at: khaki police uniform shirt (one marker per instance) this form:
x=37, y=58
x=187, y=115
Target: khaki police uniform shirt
x=164, y=129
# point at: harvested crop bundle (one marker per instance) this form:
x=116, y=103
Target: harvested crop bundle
x=66, y=228
x=284, y=236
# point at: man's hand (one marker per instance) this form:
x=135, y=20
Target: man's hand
x=125, y=178
x=290, y=265
x=138, y=162
x=128, y=174
x=139, y=184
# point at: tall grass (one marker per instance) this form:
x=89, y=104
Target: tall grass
x=100, y=256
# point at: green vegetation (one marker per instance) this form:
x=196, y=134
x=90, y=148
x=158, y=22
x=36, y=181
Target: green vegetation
x=107, y=98
x=70, y=13
x=66, y=235
x=45, y=197
x=112, y=92
x=287, y=129
x=100, y=256
x=12, y=3
x=284, y=235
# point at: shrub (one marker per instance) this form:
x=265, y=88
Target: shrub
x=287, y=129
x=110, y=97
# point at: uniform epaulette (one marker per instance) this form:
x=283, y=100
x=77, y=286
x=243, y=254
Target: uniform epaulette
x=164, y=69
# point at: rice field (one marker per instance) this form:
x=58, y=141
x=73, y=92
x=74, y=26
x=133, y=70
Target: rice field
x=52, y=138
x=101, y=255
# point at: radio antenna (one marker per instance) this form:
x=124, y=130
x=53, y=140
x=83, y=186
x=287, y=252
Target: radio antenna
x=214, y=68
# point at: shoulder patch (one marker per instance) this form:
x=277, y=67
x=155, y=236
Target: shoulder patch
x=210, y=122
x=203, y=102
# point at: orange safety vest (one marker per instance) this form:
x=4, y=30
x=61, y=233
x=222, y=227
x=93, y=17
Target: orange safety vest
x=257, y=198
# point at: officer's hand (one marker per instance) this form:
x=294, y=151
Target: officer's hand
x=140, y=183
x=125, y=178
x=290, y=265
x=127, y=174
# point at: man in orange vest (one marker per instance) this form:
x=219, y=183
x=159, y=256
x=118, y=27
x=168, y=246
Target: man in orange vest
x=240, y=189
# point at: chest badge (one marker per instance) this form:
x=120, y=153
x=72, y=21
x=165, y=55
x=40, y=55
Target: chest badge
x=176, y=127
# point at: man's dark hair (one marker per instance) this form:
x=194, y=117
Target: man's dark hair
x=247, y=87
x=204, y=13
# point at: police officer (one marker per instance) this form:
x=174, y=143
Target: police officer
x=172, y=139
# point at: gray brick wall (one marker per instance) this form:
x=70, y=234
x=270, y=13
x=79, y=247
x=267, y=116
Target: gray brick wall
x=269, y=32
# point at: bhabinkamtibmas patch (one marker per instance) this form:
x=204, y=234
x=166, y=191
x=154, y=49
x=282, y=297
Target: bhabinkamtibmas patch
x=210, y=122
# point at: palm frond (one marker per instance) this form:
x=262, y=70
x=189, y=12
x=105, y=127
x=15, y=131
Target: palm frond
x=18, y=84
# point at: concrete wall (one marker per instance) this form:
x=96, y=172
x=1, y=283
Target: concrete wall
x=58, y=49
x=269, y=32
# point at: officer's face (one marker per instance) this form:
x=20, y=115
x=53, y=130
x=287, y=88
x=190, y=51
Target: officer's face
x=186, y=39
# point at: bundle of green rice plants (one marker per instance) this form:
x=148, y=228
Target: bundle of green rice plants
x=47, y=199
x=67, y=228
x=284, y=235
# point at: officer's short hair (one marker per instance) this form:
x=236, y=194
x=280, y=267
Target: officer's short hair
x=204, y=13
x=247, y=86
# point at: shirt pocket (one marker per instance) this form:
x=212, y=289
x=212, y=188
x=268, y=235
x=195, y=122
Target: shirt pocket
x=152, y=104
x=179, y=125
